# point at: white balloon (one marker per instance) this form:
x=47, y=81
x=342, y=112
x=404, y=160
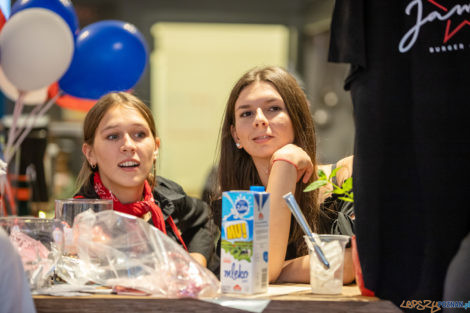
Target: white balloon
x=36, y=48
x=37, y=96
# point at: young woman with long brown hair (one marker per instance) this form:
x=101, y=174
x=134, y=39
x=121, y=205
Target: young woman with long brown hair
x=268, y=138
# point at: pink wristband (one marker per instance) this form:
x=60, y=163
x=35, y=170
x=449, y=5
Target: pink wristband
x=285, y=160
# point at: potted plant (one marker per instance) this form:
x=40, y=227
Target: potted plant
x=344, y=191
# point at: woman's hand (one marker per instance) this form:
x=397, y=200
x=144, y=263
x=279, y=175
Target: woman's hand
x=199, y=258
x=345, y=170
x=296, y=156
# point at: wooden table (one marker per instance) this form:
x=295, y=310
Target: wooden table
x=298, y=301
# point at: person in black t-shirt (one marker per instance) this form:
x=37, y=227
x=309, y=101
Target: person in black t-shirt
x=409, y=85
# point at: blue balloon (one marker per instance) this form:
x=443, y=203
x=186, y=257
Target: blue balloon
x=109, y=56
x=63, y=8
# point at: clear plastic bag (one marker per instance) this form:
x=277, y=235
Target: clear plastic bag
x=39, y=242
x=120, y=250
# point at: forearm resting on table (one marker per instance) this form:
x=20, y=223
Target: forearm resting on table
x=298, y=270
x=199, y=258
x=348, y=271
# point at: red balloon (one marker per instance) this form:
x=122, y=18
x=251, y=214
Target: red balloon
x=70, y=102
x=3, y=20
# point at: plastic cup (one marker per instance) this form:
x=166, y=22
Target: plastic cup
x=66, y=210
x=39, y=242
x=323, y=280
x=69, y=267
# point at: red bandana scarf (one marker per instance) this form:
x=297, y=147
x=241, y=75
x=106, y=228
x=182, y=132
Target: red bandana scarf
x=138, y=208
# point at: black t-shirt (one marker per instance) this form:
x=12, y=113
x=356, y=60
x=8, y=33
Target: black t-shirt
x=409, y=85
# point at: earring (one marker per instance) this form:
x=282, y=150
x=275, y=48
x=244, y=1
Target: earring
x=93, y=166
x=238, y=145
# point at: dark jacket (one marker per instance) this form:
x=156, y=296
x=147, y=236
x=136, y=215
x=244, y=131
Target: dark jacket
x=191, y=216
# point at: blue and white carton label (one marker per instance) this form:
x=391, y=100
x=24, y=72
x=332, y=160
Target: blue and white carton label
x=245, y=242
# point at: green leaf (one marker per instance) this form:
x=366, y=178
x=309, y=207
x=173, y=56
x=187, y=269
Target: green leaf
x=315, y=185
x=333, y=173
x=345, y=191
x=346, y=199
x=322, y=175
x=339, y=191
x=347, y=184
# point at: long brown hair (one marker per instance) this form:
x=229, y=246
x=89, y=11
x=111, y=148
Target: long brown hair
x=93, y=119
x=236, y=168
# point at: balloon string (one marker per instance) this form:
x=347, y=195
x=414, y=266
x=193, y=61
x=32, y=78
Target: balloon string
x=16, y=115
x=28, y=118
x=6, y=186
x=31, y=121
x=3, y=211
x=11, y=198
x=18, y=139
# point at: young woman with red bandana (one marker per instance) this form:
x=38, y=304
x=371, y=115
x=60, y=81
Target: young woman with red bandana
x=121, y=147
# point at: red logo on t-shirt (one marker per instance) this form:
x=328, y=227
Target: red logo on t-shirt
x=456, y=9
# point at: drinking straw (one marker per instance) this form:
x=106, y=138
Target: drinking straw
x=295, y=209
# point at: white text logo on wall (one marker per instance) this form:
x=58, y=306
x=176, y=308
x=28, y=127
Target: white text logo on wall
x=454, y=17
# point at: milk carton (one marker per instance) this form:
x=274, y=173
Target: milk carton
x=245, y=241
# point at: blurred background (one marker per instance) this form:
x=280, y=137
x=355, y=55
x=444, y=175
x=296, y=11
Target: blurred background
x=198, y=49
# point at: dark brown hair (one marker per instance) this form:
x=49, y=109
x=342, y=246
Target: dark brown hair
x=94, y=117
x=236, y=168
